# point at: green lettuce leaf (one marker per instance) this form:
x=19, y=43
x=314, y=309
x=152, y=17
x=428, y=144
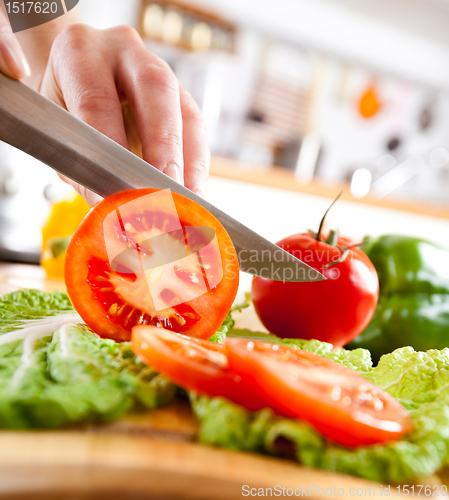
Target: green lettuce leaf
x=24, y=305
x=413, y=377
x=229, y=322
x=232, y=426
x=220, y=334
x=54, y=370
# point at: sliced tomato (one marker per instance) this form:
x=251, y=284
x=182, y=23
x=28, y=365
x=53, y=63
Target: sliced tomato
x=136, y=258
x=195, y=364
x=341, y=404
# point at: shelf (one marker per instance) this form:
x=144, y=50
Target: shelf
x=281, y=178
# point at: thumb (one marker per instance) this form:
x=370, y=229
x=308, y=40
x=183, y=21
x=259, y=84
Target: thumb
x=12, y=59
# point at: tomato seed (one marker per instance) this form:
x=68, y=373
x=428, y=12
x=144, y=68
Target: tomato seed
x=180, y=320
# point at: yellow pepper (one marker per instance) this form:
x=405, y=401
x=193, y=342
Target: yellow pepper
x=64, y=219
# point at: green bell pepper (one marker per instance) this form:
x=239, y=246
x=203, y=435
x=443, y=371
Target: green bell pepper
x=413, y=307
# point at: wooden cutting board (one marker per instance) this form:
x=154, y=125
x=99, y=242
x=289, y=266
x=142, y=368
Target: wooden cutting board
x=151, y=455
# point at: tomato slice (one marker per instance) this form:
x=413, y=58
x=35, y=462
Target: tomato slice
x=195, y=364
x=151, y=257
x=341, y=404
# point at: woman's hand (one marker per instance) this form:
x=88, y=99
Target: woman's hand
x=109, y=79
x=94, y=73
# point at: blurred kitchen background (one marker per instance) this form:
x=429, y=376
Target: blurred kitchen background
x=302, y=99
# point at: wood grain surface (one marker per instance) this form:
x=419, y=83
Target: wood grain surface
x=67, y=464
x=148, y=455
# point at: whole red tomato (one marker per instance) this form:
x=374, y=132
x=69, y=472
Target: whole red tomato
x=335, y=310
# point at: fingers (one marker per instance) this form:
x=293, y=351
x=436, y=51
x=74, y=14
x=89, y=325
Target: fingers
x=92, y=73
x=12, y=60
x=81, y=79
x=91, y=198
x=153, y=93
x=195, y=145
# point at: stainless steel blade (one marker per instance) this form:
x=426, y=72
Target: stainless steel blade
x=40, y=128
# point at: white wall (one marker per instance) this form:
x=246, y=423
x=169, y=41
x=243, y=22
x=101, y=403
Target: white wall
x=402, y=49
x=408, y=38
x=103, y=14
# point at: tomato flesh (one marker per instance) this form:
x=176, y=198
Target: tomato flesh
x=136, y=261
x=341, y=404
x=195, y=364
x=180, y=318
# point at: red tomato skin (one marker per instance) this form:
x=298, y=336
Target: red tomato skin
x=334, y=421
x=335, y=310
x=88, y=241
x=191, y=374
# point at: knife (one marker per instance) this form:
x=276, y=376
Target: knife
x=42, y=129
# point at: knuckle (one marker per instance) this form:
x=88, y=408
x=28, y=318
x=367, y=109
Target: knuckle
x=167, y=84
x=150, y=69
x=74, y=37
x=167, y=138
x=158, y=76
x=165, y=78
x=95, y=100
x=127, y=32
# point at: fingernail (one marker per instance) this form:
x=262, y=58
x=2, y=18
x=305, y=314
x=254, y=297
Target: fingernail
x=92, y=198
x=173, y=171
x=12, y=60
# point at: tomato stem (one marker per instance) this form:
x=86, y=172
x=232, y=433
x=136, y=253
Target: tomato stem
x=332, y=238
x=318, y=235
x=345, y=252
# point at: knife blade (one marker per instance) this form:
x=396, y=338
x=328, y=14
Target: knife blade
x=45, y=131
